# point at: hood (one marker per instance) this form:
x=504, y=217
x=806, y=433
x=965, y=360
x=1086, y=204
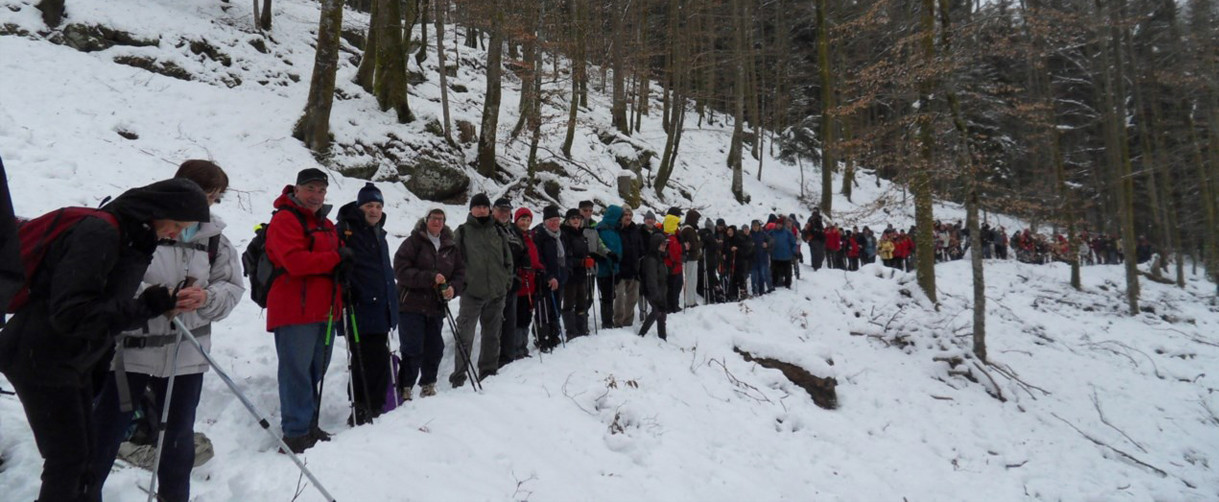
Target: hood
x=671, y=224
x=612, y=217
x=352, y=214
x=175, y=199
x=692, y=218
x=446, y=233
x=654, y=243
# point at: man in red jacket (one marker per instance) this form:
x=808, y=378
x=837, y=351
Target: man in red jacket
x=303, y=301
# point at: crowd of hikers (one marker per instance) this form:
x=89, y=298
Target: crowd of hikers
x=106, y=296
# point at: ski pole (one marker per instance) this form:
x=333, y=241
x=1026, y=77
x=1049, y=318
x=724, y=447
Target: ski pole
x=329, y=338
x=558, y=319
x=262, y=421
x=355, y=334
x=591, y=276
x=165, y=401
x=471, y=371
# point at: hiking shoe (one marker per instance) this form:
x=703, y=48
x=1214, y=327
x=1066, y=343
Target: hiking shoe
x=406, y=392
x=457, y=382
x=428, y=390
x=139, y=455
x=203, y=449
x=318, y=434
x=298, y=444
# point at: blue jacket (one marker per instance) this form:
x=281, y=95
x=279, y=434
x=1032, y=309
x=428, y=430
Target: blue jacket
x=612, y=238
x=761, y=256
x=374, y=294
x=783, y=246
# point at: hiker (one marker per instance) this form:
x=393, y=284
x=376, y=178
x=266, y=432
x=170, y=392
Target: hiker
x=430, y=271
x=508, y=343
x=552, y=277
x=489, y=273
x=655, y=274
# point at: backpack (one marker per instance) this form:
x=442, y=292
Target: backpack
x=257, y=265
x=36, y=237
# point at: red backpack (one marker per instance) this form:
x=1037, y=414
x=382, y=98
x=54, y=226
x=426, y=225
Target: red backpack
x=36, y=237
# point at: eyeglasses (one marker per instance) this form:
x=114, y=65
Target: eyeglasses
x=435, y=218
x=214, y=196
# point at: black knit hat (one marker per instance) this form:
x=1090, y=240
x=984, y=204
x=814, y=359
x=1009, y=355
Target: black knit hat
x=719, y=222
x=586, y=204
x=551, y=211
x=574, y=213
x=310, y=175
x=480, y=199
x=675, y=211
x=370, y=193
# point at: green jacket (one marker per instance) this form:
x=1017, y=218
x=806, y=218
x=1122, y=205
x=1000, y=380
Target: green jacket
x=487, y=257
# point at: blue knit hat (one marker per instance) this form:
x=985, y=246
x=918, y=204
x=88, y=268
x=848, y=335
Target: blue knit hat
x=370, y=193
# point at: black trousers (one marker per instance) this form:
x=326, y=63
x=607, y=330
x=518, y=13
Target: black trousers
x=549, y=319
x=605, y=286
x=657, y=316
x=782, y=271
x=575, y=304
x=507, y=332
x=674, y=293
x=62, y=421
x=369, y=370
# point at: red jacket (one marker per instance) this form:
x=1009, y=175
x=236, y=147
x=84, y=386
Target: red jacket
x=305, y=292
x=833, y=240
x=852, y=248
x=529, y=274
x=673, y=257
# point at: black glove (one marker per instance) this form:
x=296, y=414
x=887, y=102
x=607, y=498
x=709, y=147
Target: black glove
x=347, y=259
x=158, y=300
x=612, y=256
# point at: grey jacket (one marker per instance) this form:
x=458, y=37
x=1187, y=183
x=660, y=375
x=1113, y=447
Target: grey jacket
x=170, y=265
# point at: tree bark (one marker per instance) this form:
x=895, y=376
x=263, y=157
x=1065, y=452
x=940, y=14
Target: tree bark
x=920, y=178
x=389, y=80
x=442, y=8
x=366, y=73
x=734, y=153
x=490, y=119
x=618, y=56
x=313, y=128
x=828, y=161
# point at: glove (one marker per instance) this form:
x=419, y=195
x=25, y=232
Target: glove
x=589, y=263
x=346, y=262
x=158, y=300
x=612, y=256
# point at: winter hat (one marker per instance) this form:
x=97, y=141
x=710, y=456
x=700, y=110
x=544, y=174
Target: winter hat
x=671, y=223
x=573, y=213
x=480, y=199
x=649, y=216
x=586, y=204
x=551, y=211
x=503, y=203
x=772, y=218
x=523, y=212
x=692, y=218
x=709, y=225
x=674, y=211
x=719, y=222
x=370, y=193
x=310, y=175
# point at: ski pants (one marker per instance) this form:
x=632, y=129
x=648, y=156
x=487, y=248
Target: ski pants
x=489, y=312
x=690, y=293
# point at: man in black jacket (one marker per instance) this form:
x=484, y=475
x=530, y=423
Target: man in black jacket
x=575, y=292
x=551, y=280
x=83, y=295
x=626, y=292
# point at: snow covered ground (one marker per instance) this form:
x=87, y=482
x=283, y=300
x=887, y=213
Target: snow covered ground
x=613, y=416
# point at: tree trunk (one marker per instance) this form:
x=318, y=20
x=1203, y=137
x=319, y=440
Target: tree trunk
x=618, y=56
x=577, y=72
x=265, y=21
x=420, y=56
x=920, y=177
x=490, y=120
x=734, y=153
x=52, y=11
x=1118, y=147
x=313, y=128
x=828, y=162
x=389, y=80
x=442, y=8
x=366, y=73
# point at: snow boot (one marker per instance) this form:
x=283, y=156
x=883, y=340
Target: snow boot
x=428, y=390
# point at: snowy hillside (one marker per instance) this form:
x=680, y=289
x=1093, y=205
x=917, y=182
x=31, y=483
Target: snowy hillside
x=1084, y=403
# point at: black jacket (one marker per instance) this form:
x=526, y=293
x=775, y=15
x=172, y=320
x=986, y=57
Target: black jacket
x=576, y=248
x=371, y=281
x=84, y=293
x=548, y=252
x=516, y=246
x=654, y=275
x=744, y=252
x=633, y=251
x=711, y=248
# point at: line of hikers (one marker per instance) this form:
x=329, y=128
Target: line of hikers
x=97, y=311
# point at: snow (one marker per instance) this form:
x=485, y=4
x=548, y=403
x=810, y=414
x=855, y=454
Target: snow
x=614, y=416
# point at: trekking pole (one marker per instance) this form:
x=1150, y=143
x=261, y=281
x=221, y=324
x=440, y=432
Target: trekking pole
x=329, y=338
x=262, y=421
x=558, y=319
x=471, y=371
x=355, y=334
x=393, y=373
x=537, y=321
x=165, y=401
x=591, y=275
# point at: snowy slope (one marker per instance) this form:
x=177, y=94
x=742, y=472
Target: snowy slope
x=615, y=417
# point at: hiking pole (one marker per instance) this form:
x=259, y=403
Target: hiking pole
x=355, y=334
x=471, y=371
x=393, y=373
x=537, y=321
x=165, y=401
x=591, y=276
x=262, y=421
x=321, y=382
x=558, y=319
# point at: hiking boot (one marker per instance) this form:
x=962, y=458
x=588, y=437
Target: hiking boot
x=139, y=455
x=298, y=444
x=318, y=434
x=203, y=449
x=428, y=390
x=457, y=382
x=406, y=393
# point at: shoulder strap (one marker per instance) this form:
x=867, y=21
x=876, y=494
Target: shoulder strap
x=213, y=249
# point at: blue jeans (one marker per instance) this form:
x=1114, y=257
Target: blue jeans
x=422, y=348
x=760, y=276
x=303, y=357
x=178, y=452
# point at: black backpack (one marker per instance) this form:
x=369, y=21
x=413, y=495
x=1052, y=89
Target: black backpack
x=257, y=265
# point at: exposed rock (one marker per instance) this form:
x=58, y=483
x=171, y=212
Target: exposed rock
x=628, y=189
x=127, y=134
x=203, y=48
x=551, y=166
x=259, y=45
x=433, y=126
x=466, y=133
x=90, y=38
x=354, y=36
x=364, y=172
x=552, y=188
x=458, y=88
x=822, y=390
x=166, y=68
x=431, y=180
